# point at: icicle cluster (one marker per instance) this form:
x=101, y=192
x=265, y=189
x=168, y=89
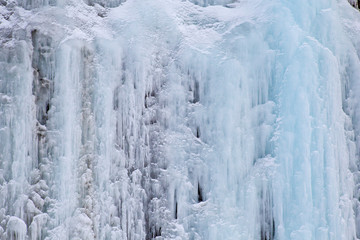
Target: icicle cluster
x=170, y=119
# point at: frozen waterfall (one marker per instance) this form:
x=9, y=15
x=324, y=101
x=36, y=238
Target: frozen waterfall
x=178, y=119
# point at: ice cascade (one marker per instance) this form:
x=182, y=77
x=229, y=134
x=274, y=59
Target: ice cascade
x=174, y=119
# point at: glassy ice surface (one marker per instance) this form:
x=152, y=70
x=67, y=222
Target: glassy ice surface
x=171, y=119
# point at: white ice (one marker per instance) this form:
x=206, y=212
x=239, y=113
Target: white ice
x=173, y=119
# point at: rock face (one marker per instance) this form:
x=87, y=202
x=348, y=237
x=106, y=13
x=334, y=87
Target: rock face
x=355, y=3
x=171, y=119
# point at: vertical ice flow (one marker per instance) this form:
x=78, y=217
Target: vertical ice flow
x=149, y=119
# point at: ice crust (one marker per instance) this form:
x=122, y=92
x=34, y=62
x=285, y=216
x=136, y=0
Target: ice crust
x=171, y=119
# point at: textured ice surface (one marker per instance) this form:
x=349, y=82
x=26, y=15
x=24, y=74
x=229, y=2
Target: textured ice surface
x=173, y=119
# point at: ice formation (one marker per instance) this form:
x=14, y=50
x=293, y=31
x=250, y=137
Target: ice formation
x=174, y=119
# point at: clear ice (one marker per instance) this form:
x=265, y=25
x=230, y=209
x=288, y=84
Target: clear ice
x=175, y=119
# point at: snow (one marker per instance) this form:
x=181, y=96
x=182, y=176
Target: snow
x=171, y=119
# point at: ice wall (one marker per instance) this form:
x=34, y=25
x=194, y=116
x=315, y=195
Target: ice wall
x=149, y=119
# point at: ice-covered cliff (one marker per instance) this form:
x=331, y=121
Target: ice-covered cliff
x=173, y=119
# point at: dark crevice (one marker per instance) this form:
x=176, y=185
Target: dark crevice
x=266, y=235
x=116, y=98
x=176, y=210
x=33, y=34
x=194, y=88
x=176, y=206
x=200, y=195
x=43, y=65
x=267, y=223
x=197, y=132
x=196, y=97
x=145, y=101
x=127, y=147
x=47, y=107
x=156, y=232
x=123, y=70
x=355, y=4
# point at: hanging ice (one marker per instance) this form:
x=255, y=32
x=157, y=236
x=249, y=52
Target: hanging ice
x=171, y=119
